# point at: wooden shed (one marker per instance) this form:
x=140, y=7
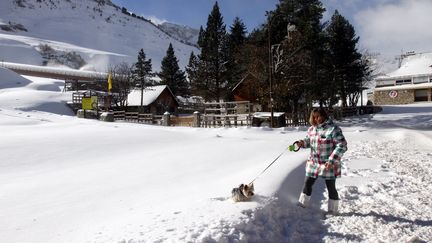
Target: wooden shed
x=156, y=99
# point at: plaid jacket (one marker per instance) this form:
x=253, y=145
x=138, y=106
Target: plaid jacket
x=327, y=144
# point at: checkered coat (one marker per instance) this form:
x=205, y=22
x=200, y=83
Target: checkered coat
x=327, y=144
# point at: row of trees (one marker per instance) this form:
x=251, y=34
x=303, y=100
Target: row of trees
x=309, y=61
x=140, y=75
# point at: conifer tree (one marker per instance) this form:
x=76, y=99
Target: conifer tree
x=142, y=73
x=236, y=70
x=171, y=74
x=214, y=56
x=347, y=66
x=237, y=32
x=201, y=37
x=193, y=75
x=143, y=69
x=306, y=16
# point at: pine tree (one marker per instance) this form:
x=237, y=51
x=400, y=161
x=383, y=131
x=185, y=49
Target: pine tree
x=306, y=16
x=171, y=74
x=142, y=73
x=347, y=66
x=214, y=56
x=237, y=68
x=193, y=75
x=237, y=39
x=237, y=32
x=143, y=69
x=201, y=37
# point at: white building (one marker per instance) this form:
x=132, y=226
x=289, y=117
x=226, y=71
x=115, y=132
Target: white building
x=411, y=82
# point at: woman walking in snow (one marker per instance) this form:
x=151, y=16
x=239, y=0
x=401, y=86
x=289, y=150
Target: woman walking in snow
x=327, y=144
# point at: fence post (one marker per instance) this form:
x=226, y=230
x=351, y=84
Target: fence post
x=166, y=119
x=227, y=122
x=196, y=119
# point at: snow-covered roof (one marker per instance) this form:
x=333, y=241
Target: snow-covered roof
x=150, y=94
x=191, y=99
x=267, y=114
x=54, y=70
x=415, y=65
x=405, y=87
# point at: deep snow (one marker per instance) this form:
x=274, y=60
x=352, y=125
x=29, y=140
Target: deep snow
x=64, y=179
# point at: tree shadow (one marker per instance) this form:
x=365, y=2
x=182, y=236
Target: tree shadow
x=389, y=218
x=390, y=109
x=59, y=108
x=420, y=121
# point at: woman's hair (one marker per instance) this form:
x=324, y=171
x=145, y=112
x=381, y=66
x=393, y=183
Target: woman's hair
x=320, y=112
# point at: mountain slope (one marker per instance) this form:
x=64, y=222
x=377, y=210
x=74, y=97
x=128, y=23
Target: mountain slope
x=183, y=33
x=96, y=31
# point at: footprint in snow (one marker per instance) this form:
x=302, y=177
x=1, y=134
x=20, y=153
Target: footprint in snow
x=220, y=198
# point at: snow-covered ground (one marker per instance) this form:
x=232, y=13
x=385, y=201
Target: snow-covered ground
x=64, y=179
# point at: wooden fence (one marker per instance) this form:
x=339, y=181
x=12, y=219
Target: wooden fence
x=225, y=120
x=137, y=117
x=231, y=120
x=183, y=121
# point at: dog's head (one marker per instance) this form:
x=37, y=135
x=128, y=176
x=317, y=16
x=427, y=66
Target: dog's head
x=247, y=190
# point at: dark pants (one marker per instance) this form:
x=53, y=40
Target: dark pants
x=331, y=187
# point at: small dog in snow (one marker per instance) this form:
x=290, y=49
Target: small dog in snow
x=242, y=193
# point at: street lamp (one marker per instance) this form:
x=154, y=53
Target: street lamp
x=290, y=28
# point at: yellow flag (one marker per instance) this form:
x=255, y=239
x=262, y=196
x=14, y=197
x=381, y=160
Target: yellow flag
x=109, y=82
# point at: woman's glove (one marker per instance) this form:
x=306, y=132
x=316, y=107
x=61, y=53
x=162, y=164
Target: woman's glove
x=300, y=143
x=293, y=146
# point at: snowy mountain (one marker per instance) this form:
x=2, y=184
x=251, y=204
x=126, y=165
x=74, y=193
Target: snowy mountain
x=182, y=33
x=86, y=34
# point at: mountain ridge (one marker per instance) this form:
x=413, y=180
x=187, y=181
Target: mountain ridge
x=98, y=31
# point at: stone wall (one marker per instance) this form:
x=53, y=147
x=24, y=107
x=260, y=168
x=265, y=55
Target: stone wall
x=402, y=97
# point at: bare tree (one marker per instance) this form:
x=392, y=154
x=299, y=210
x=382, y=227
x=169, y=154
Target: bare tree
x=122, y=83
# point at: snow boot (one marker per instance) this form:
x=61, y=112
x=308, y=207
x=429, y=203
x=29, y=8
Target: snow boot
x=333, y=206
x=304, y=200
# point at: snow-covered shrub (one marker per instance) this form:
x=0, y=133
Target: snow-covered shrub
x=55, y=57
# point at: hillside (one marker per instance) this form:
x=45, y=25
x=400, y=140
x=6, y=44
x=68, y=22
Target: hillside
x=87, y=34
x=183, y=33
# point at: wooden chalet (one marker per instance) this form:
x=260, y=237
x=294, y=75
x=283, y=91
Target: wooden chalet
x=156, y=100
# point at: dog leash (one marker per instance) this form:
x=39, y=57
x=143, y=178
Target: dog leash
x=290, y=148
x=268, y=166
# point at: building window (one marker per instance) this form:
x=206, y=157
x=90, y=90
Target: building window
x=405, y=81
x=421, y=95
x=419, y=80
x=384, y=83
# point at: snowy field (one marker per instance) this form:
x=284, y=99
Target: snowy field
x=64, y=179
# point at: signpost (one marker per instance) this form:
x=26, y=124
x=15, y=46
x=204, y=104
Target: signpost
x=393, y=94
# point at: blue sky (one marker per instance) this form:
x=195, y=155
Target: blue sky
x=194, y=13
x=387, y=27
